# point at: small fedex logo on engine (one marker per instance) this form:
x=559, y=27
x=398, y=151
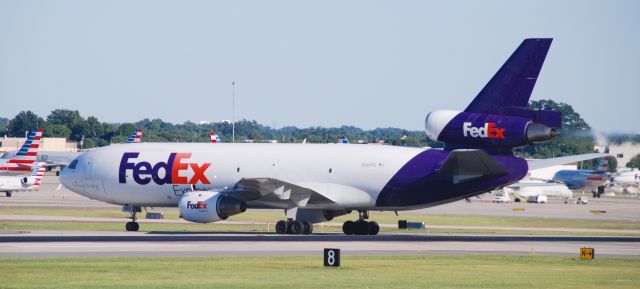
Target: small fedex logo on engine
x=200, y=205
x=169, y=172
x=489, y=130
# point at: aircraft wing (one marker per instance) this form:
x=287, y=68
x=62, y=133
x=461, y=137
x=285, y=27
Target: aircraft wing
x=276, y=193
x=544, y=163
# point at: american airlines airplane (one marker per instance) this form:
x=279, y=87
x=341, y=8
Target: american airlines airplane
x=10, y=184
x=585, y=179
x=22, y=161
x=214, y=137
x=315, y=182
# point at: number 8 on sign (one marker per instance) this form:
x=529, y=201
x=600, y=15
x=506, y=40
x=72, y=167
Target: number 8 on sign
x=332, y=257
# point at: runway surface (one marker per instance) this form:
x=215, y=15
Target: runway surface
x=37, y=244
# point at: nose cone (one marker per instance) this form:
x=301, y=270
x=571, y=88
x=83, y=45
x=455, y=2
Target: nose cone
x=69, y=176
x=65, y=178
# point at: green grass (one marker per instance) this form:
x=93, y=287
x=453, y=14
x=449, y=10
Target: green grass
x=307, y=272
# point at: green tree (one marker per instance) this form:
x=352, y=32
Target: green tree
x=3, y=125
x=72, y=120
x=570, y=119
x=613, y=164
x=634, y=162
x=56, y=130
x=65, y=117
x=24, y=121
x=126, y=129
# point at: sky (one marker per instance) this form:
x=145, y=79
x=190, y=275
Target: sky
x=310, y=63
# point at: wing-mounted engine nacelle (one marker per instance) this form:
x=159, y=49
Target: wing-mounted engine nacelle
x=207, y=207
x=27, y=181
x=318, y=216
x=471, y=130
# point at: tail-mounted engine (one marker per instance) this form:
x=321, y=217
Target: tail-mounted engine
x=207, y=207
x=480, y=130
x=27, y=181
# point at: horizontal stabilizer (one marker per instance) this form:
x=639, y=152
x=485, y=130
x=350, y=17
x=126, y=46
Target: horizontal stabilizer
x=466, y=165
x=544, y=163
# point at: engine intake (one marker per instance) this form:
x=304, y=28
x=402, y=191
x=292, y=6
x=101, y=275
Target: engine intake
x=27, y=181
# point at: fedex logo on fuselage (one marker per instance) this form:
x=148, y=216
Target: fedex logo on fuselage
x=489, y=130
x=143, y=172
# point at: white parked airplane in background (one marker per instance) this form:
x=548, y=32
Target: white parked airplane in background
x=10, y=184
x=529, y=187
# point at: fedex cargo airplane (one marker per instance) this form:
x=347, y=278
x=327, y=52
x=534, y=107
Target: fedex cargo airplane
x=315, y=182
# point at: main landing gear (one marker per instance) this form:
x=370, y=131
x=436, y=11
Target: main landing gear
x=132, y=226
x=294, y=227
x=8, y=194
x=361, y=226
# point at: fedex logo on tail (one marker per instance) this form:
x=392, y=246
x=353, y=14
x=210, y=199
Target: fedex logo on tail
x=489, y=130
x=172, y=170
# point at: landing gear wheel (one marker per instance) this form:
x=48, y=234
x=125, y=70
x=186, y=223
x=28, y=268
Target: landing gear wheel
x=281, y=227
x=362, y=227
x=374, y=228
x=132, y=226
x=297, y=227
x=349, y=227
x=8, y=194
x=308, y=228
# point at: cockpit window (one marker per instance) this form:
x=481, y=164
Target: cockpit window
x=73, y=164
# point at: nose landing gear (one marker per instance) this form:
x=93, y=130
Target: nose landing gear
x=361, y=226
x=132, y=226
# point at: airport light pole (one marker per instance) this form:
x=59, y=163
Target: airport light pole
x=233, y=112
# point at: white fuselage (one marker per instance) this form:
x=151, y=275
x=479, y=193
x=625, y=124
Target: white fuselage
x=353, y=175
x=531, y=187
x=628, y=179
x=12, y=184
